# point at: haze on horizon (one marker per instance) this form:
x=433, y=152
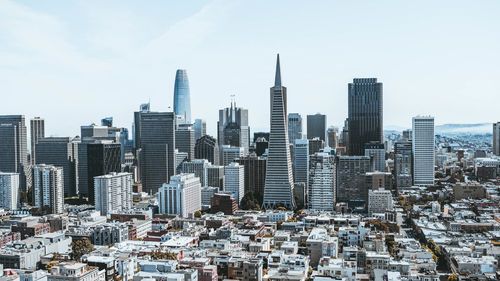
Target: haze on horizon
x=75, y=62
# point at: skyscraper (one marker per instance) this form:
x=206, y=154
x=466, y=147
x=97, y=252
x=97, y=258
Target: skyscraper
x=182, y=97
x=113, y=192
x=37, y=127
x=333, y=138
x=103, y=158
x=215, y=176
x=48, y=189
x=351, y=180
x=198, y=167
x=9, y=191
x=316, y=126
x=255, y=174
x=496, y=138
x=206, y=148
x=182, y=196
x=301, y=161
x=230, y=153
x=423, y=150
x=200, y=128
x=15, y=149
x=403, y=163
x=60, y=152
x=279, y=178
x=185, y=140
x=234, y=175
x=365, y=114
x=294, y=127
x=233, y=127
x=377, y=151
x=322, y=182
x=155, y=142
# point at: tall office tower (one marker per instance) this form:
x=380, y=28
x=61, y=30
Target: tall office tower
x=206, y=147
x=113, y=192
x=48, y=189
x=155, y=140
x=233, y=127
x=403, y=163
x=14, y=155
x=423, y=150
x=294, y=127
x=407, y=135
x=322, y=182
x=207, y=192
x=255, y=174
x=185, y=140
x=230, y=153
x=107, y=121
x=496, y=138
x=261, y=146
x=301, y=161
x=279, y=177
x=180, y=157
x=37, y=127
x=365, y=114
x=351, y=181
x=333, y=139
x=234, y=180
x=102, y=159
x=9, y=191
x=200, y=128
x=377, y=151
x=198, y=167
x=379, y=201
x=316, y=126
x=182, y=196
x=215, y=176
x=60, y=152
x=182, y=97
x=315, y=145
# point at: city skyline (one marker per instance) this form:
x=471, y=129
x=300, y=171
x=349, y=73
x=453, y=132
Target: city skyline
x=426, y=79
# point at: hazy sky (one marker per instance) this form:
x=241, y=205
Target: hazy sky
x=74, y=62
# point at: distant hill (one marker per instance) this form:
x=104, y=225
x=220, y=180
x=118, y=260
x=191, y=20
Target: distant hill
x=450, y=129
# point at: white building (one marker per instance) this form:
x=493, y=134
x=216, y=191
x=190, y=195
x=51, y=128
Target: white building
x=230, y=153
x=301, y=161
x=322, y=182
x=113, y=192
x=9, y=190
x=75, y=271
x=423, y=150
x=379, y=201
x=48, y=188
x=198, y=167
x=182, y=196
x=234, y=175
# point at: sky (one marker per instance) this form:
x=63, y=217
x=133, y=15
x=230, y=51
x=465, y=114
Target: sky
x=75, y=62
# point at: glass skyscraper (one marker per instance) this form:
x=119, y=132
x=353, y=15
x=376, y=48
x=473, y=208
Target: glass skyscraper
x=182, y=99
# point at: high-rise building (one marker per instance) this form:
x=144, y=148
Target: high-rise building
x=222, y=202
x=279, y=178
x=321, y=182
x=231, y=153
x=37, y=129
x=234, y=180
x=351, y=181
x=316, y=126
x=60, y=152
x=107, y=121
x=294, y=127
x=255, y=174
x=377, y=180
x=206, y=147
x=233, y=128
x=48, y=189
x=182, y=96
x=403, y=163
x=496, y=138
x=182, y=196
x=198, y=167
x=261, y=145
x=365, y=114
x=301, y=161
x=315, y=145
x=215, y=176
x=377, y=151
x=155, y=140
x=102, y=158
x=14, y=152
x=207, y=192
x=423, y=150
x=180, y=157
x=185, y=140
x=113, y=192
x=333, y=138
x=9, y=191
x=200, y=128
x=379, y=201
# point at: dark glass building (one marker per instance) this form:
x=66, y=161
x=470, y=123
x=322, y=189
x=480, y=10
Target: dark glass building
x=206, y=148
x=316, y=126
x=365, y=114
x=255, y=174
x=103, y=158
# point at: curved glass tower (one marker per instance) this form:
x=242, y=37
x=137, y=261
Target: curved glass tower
x=182, y=100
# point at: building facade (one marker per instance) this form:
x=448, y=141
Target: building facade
x=206, y=147
x=233, y=128
x=496, y=138
x=13, y=147
x=316, y=126
x=301, y=161
x=234, y=180
x=351, y=182
x=181, y=196
x=294, y=127
x=182, y=96
x=37, y=130
x=423, y=150
x=9, y=191
x=321, y=191
x=255, y=174
x=200, y=128
x=198, y=167
x=377, y=151
x=113, y=192
x=185, y=140
x=48, y=189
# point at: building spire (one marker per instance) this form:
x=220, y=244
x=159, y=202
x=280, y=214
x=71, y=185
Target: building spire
x=277, y=79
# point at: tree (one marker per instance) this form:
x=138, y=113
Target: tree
x=453, y=277
x=159, y=255
x=249, y=202
x=81, y=247
x=197, y=214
